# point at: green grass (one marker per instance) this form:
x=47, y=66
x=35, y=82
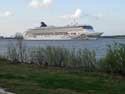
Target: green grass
x=34, y=79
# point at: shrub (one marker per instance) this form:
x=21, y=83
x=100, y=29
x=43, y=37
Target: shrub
x=17, y=53
x=114, y=61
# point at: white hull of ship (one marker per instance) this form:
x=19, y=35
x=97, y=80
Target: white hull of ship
x=89, y=36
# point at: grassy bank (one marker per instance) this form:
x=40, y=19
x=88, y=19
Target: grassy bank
x=55, y=70
x=82, y=59
x=34, y=79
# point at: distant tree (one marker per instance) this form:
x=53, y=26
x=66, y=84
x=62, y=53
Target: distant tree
x=18, y=35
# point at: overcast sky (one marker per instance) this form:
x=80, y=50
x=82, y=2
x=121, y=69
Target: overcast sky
x=106, y=16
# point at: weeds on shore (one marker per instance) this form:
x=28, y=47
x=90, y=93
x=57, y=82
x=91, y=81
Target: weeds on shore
x=82, y=59
x=62, y=57
x=52, y=56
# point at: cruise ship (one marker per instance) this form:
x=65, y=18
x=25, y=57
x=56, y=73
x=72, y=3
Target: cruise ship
x=74, y=32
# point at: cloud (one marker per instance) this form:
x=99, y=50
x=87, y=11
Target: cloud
x=5, y=13
x=79, y=13
x=40, y=3
x=76, y=15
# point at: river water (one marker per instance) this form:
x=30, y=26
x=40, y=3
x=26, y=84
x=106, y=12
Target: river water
x=99, y=45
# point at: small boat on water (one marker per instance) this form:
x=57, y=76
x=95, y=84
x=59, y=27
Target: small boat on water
x=74, y=32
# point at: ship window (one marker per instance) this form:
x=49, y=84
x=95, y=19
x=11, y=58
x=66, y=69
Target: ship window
x=87, y=27
x=73, y=33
